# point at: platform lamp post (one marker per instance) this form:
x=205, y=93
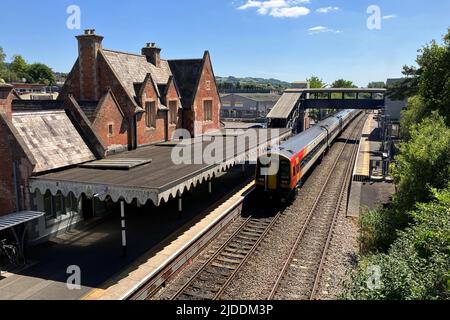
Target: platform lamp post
x=180, y=206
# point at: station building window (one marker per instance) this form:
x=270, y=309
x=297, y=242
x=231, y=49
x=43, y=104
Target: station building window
x=110, y=130
x=150, y=114
x=173, y=111
x=207, y=110
x=56, y=206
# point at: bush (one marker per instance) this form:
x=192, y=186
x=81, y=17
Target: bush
x=417, y=266
x=423, y=162
x=378, y=229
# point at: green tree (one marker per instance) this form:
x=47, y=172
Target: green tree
x=376, y=84
x=434, y=78
x=341, y=83
x=19, y=68
x=316, y=83
x=40, y=73
x=430, y=80
x=412, y=115
x=2, y=64
x=423, y=162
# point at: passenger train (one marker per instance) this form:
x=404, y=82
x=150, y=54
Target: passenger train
x=278, y=172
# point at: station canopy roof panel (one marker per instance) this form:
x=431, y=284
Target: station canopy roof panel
x=14, y=219
x=131, y=176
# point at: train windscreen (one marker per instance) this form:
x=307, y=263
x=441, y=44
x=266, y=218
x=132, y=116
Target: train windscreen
x=285, y=172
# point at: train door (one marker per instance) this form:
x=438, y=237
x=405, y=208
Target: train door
x=272, y=181
x=267, y=172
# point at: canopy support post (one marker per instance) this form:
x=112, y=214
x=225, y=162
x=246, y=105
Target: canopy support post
x=124, y=230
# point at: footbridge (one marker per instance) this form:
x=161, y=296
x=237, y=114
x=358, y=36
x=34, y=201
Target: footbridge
x=290, y=110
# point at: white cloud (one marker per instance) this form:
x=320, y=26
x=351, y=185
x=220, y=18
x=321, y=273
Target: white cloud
x=327, y=9
x=322, y=29
x=391, y=16
x=292, y=12
x=278, y=8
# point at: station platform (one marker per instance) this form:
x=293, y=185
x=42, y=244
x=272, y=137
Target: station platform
x=362, y=166
x=154, y=261
x=368, y=188
x=95, y=247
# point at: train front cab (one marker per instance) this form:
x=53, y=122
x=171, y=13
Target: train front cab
x=273, y=175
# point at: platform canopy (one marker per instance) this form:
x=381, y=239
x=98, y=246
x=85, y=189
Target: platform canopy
x=161, y=178
x=14, y=219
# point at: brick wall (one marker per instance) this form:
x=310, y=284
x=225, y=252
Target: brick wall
x=109, y=114
x=6, y=98
x=107, y=81
x=12, y=152
x=172, y=95
x=206, y=90
x=88, y=48
x=147, y=135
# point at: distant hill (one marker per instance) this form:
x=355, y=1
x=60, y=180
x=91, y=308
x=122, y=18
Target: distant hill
x=230, y=83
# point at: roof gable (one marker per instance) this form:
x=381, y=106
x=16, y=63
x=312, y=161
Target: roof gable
x=133, y=69
x=103, y=101
x=187, y=75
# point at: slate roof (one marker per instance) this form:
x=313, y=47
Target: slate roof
x=36, y=105
x=52, y=139
x=187, y=74
x=132, y=69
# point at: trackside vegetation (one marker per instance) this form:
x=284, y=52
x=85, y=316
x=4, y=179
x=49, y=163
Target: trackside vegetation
x=405, y=246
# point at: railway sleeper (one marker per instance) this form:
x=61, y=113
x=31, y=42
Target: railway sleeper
x=218, y=271
x=227, y=260
x=253, y=232
x=241, y=244
x=258, y=226
x=233, y=255
x=237, y=251
x=223, y=266
x=247, y=238
x=193, y=296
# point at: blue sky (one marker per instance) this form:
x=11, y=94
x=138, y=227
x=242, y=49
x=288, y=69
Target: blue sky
x=284, y=39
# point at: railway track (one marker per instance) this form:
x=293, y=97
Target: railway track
x=301, y=273
x=216, y=273
x=219, y=266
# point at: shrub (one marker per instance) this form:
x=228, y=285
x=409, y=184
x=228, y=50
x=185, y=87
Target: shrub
x=417, y=266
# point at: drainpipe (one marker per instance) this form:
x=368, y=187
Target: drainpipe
x=16, y=190
x=134, y=141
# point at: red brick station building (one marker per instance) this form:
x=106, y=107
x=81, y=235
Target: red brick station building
x=111, y=102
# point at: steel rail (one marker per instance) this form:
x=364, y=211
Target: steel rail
x=344, y=188
x=221, y=249
x=307, y=222
x=211, y=259
x=251, y=251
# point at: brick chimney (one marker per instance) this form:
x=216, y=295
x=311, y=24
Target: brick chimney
x=89, y=45
x=6, y=98
x=153, y=54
